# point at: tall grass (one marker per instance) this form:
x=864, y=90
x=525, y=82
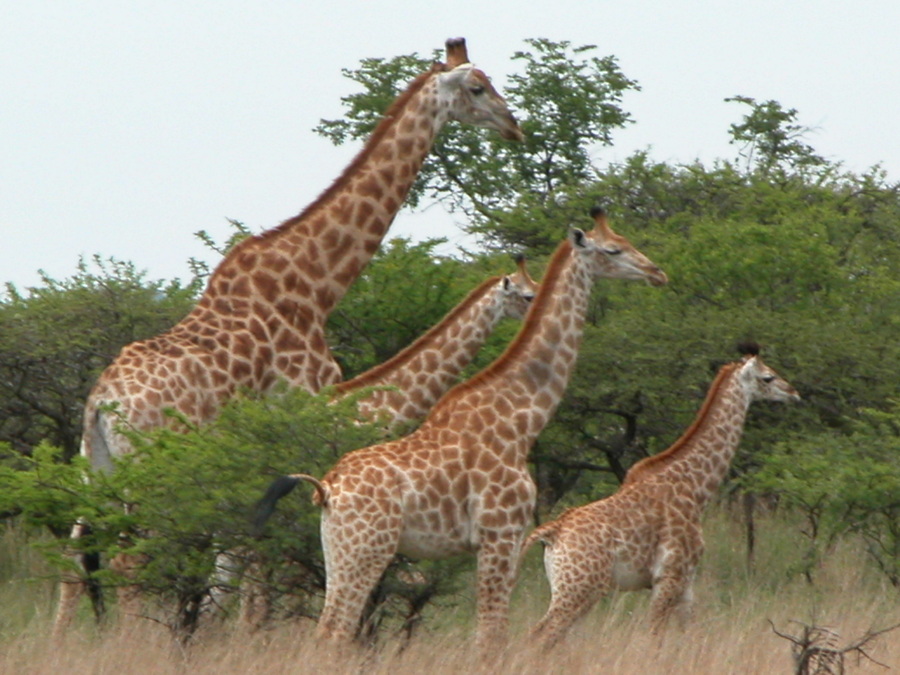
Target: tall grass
x=730, y=632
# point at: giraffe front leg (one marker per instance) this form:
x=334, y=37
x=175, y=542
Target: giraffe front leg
x=497, y=558
x=674, y=577
x=72, y=585
x=672, y=594
x=129, y=593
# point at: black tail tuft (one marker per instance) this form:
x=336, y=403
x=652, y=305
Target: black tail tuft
x=265, y=507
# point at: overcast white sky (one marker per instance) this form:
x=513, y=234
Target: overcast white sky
x=127, y=126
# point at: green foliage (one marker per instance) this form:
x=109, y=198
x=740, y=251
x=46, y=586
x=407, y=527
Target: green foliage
x=772, y=142
x=570, y=101
x=842, y=483
x=55, y=339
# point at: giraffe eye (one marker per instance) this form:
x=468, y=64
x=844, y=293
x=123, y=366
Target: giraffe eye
x=476, y=90
x=612, y=251
x=768, y=378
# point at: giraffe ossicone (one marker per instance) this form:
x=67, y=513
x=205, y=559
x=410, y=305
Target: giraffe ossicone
x=460, y=483
x=261, y=318
x=648, y=534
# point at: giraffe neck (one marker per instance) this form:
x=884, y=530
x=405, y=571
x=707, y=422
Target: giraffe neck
x=320, y=252
x=424, y=370
x=262, y=316
x=530, y=377
x=699, y=460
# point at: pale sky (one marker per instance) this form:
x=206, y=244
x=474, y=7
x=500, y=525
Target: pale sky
x=125, y=127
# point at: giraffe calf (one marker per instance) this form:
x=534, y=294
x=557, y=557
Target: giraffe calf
x=648, y=535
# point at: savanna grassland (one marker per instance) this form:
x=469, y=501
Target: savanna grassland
x=731, y=632
x=778, y=244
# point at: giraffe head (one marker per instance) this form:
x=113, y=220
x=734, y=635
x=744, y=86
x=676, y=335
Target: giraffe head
x=759, y=381
x=611, y=255
x=519, y=290
x=470, y=96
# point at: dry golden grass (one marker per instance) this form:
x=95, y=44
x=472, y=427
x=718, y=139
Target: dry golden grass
x=730, y=632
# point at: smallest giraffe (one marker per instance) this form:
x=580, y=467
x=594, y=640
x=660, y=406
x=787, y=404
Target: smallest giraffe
x=648, y=533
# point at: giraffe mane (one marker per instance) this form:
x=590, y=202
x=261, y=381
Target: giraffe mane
x=374, y=374
x=545, y=292
x=388, y=119
x=659, y=461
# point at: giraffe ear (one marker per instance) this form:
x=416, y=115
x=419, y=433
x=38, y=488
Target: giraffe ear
x=456, y=76
x=579, y=239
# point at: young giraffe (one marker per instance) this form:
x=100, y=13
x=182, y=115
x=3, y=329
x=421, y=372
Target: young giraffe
x=423, y=371
x=262, y=316
x=460, y=483
x=648, y=533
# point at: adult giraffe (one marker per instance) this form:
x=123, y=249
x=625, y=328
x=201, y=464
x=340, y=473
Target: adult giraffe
x=648, y=533
x=262, y=316
x=459, y=483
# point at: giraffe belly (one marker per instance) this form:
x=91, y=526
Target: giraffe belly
x=421, y=543
x=628, y=577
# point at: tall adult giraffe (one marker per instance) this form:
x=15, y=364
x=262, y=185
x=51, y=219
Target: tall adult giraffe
x=648, y=533
x=262, y=316
x=459, y=483
x=419, y=374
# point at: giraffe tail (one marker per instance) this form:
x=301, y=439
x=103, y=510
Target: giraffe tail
x=281, y=486
x=545, y=533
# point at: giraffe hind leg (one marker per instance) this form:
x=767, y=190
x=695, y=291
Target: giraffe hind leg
x=563, y=613
x=574, y=592
x=347, y=591
x=358, y=549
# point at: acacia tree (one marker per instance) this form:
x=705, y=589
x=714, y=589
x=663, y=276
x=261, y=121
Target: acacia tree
x=842, y=483
x=773, y=144
x=56, y=337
